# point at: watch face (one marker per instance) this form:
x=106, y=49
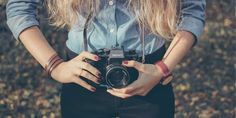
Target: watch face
x=167, y=80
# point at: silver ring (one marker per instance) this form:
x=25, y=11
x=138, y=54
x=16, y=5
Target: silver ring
x=83, y=58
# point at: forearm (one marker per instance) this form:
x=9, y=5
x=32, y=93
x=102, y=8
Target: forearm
x=192, y=20
x=34, y=41
x=178, y=48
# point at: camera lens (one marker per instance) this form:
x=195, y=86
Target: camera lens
x=117, y=76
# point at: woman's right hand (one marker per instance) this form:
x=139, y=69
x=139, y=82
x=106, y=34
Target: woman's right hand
x=71, y=71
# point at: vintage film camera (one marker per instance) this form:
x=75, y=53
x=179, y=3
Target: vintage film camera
x=113, y=73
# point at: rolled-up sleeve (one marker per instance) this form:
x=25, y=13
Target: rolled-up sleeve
x=192, y=17
x=21, y=14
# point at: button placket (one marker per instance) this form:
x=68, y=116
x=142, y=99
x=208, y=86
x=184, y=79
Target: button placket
x=112, y=28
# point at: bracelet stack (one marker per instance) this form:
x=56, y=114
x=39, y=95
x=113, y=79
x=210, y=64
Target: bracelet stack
x=167, y=75
x=53, y=62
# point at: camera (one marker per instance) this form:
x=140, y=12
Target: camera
x=113, y=73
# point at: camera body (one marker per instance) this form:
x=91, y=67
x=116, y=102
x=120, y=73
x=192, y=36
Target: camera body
x=113, y=73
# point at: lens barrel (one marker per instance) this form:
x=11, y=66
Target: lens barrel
x=117, y=76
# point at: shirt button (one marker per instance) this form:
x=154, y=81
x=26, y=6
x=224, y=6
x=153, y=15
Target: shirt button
x=112, y=30
x=111, y=2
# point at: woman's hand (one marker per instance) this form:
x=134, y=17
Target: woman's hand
x=72, y=70
x=149, y=76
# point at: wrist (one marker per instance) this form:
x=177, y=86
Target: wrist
x=52, y=63
x=166, y=75
x=57, y=70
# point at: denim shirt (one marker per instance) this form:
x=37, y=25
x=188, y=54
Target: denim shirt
x=113, y=22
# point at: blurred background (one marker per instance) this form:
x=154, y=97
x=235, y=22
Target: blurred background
x=204, y=87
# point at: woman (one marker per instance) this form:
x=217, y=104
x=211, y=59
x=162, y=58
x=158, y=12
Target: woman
x=122, y=22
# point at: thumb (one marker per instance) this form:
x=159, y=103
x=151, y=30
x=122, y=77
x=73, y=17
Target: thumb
x=137, y=65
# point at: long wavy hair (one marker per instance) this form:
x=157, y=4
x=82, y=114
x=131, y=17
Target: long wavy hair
x=159, y=16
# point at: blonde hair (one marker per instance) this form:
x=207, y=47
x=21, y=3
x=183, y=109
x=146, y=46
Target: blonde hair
x=159, y=16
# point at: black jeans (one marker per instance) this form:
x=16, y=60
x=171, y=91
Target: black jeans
x=78, y=102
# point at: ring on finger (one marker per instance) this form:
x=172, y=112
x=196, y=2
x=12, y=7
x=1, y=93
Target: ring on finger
x=83, y=59
x=80, y=73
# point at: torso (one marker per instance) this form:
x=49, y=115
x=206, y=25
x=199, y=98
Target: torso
x=114, y=21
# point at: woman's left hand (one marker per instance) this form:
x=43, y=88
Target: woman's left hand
x=149, y=76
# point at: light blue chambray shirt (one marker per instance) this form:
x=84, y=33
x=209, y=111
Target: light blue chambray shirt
x=113, y=21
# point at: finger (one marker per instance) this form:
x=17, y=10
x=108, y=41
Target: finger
x=121, y=95
x=87, y=55
x=90, y=68
x=137, y=65
x=130, y=88
x=125, y=90
x=87, y=75
x=82, y=83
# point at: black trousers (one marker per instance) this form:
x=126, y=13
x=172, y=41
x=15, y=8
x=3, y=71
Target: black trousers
x=78, y=102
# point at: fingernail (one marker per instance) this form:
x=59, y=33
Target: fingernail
x=93, y=89
x=99, y=81
x=125, y=62
x=98, y=74
x=101, y=78
x=97, y=58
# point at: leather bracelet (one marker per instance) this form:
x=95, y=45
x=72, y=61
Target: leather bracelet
x=164, y=69
x=53, y=61
x=167, y=79
x=49, y=61
x=167, y=75
x=55, y=65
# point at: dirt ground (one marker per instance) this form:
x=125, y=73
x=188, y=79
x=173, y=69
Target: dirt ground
x=204, y=81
